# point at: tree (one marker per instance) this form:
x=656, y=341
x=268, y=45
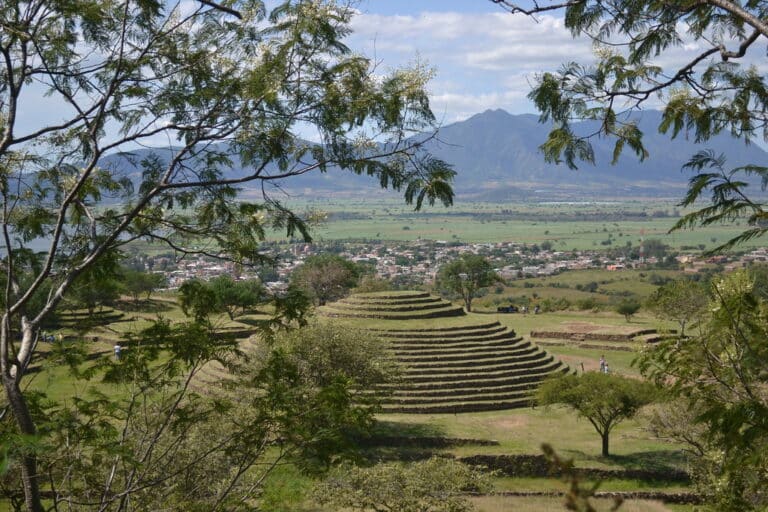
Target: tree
x=605, y=400
x=627, y=307
x=432, y=485
x=717, y=90
x=232, y=295
x=720, y=372
x=139, y=441
x=198, y=300
x=137, y=282
x=325, y=277
x=466, y=276
x=225, y=84
x=98, y=286
x=681, y=301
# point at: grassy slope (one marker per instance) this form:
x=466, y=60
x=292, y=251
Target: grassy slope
x=518, y=432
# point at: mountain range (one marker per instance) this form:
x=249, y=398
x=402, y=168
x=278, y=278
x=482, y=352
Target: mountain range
x=497, y=158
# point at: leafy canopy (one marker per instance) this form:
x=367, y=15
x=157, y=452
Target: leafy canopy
x=466, y=276
x=720, y=371
x=605, y=400
x=216, y=85
x=715, y=90
x=326, y=277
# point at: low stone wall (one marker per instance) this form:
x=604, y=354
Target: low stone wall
x=615, y=348
x=581, y=336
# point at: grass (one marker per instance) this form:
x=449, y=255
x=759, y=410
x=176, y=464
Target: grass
x=607, y=485
x=520, y=431
x=572, y=226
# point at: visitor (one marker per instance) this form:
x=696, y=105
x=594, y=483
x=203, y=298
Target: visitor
x=118, y=349
x=603, y=365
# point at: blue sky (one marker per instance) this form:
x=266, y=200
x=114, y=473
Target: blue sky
x=483, y=57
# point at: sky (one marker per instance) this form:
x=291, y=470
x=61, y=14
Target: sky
x=483, y=57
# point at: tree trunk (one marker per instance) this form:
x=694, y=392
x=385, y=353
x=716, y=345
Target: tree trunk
x=605, y=444
x=29, y=476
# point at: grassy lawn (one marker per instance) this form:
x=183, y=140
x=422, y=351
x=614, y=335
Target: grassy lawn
x=520, y=431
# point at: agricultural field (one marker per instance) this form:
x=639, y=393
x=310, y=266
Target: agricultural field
x=568, y=226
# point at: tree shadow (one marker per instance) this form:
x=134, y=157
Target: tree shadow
x=395, y=441
x=145, y=306
x=655, y=461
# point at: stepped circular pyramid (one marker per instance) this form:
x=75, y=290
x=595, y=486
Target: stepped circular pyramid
x=449, y=365
x=392, y=306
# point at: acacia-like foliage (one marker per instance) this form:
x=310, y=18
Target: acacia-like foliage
x=721, y=372
x=150, y=433
x=713, y=92
x=211, y=86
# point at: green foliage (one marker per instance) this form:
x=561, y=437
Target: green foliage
x=232, y=295
x=143, y=435
x=433, y=485
x=225, y=83
x=98, y=286
x=284, y=490
x=604, y=400
x=201, y=299
x=627, y=307
x=197, y=300
x=728, y=200
x=680, y=300
x=325, y=277
x=720, y=371
x=371, y=284
x=467, y=276
x=713, y=92
x=325, y=351
x=137, y=283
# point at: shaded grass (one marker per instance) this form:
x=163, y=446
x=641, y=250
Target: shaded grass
x=522, y=431
x=547, y=504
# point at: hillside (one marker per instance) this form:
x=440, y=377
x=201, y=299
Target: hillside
x=497, y=158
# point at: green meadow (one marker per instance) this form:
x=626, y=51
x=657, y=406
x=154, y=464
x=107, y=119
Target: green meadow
x=516, y=432
x=568, y=226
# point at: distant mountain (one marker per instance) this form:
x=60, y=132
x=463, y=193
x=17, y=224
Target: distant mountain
x=497, y=158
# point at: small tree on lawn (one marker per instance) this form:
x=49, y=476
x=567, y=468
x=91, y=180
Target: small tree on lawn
x=604, y=400
x=628, y=308
x=466, y=276
x=137, y=283
x=237, y=296
x=326, y=277
x=680, y=301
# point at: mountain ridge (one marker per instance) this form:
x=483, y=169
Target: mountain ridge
x=497, y=158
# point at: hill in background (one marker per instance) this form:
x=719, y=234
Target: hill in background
x=497, y=158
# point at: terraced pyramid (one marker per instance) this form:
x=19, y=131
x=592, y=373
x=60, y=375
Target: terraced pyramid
x=392, y=306
x=466, y=366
